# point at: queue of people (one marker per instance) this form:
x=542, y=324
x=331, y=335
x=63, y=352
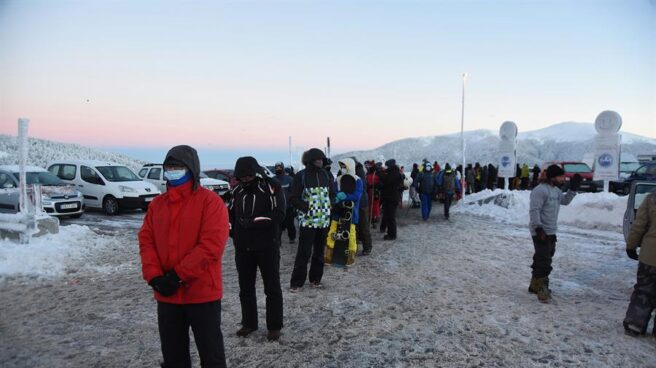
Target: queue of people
x=185, y=231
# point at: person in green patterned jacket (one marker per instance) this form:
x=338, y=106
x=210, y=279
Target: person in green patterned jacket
x=643, y=299
x=312, y=194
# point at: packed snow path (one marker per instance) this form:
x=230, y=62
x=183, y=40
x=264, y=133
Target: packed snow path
x=445, y=294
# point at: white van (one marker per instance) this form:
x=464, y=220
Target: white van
x=154, y=173
x=106, y=185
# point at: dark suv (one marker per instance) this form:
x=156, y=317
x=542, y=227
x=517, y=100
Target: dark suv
x=646, y=172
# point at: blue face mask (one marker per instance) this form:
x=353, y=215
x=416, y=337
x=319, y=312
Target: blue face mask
x=173, y=175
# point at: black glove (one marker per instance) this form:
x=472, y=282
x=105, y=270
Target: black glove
x=165, y=285
x=304, y=207
x=575, y=183
x=632, y=253
x=246, y=222
x=539, y=232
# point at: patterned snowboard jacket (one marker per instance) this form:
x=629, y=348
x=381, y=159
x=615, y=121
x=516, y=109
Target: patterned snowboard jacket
x=312, y=193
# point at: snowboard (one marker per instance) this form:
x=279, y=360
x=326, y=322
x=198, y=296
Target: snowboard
x=341, y=243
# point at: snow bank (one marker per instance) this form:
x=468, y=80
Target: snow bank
x=602, y=211
x=49, y=255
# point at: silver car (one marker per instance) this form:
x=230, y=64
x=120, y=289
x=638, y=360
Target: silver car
x=638, y=192
x=57, y=197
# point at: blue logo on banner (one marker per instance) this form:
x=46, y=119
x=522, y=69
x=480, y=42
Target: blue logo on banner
x=505, y=161
x=605, y=160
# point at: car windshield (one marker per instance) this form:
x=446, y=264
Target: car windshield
x=629, y=167
x=117, y=173
x=576, y=168
x=41, y=177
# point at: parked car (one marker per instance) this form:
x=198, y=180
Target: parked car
x=57, y=197
x=645, y=172
x=106, y=185
x=154, y=173
x=572, y=168
x=223, y=174
x=637, y=193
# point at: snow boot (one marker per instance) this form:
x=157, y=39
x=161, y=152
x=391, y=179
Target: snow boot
x=544, y=294
x=245, y=331
x=533, y=286
x=631, y=330
x=273, y=335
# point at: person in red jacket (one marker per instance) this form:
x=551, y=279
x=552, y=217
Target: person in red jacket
x=181, y=244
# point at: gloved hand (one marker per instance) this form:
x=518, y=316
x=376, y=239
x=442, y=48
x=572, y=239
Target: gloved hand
x=539, y=232
x=246, y=222
x=575, y=183
x=340, y=196
x=632, y=253
x=166, y=285
x=304, y=207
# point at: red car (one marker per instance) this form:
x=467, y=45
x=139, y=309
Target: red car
x=223, y=174
x=574, y=167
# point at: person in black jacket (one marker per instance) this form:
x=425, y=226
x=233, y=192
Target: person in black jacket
x=391, y=196
x=312, y=194
x=257, y=210
x=363, y=231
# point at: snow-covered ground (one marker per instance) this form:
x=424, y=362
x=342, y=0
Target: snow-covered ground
x=445, y=294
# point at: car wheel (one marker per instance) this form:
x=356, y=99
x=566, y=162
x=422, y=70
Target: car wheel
x=110, y=206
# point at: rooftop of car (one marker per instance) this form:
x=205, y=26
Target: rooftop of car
x=85, y=162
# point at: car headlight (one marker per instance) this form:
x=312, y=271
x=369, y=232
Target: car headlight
x=125, y=189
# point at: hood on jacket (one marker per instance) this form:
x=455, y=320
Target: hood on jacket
x=312, y=155
x=350, y=166
x=246, y=166
x=187, y=156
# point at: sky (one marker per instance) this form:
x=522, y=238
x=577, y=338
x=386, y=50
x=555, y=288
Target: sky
x=244, y=76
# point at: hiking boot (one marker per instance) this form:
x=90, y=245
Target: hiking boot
x=544, y=294
x=294, y=289
x=388, y=237
x=533, y=286
x=273, y=335
x=316, y=285
x=245, y=331
x=631, y=330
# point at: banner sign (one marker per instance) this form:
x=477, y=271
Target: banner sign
x=607, y=157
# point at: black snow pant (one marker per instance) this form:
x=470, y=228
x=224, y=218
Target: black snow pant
x=389, y=218
x=544, y=252
x=268, y=261
x=288, y=224
x=205, y=321
x=643, y=299
x=311, y=244
x=363, y=230
x=447, y=204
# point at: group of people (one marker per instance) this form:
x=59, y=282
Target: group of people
x=185, y=231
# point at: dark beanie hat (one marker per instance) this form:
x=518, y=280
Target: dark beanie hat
x=553, y=171
x=246, y=166
x=390, y=163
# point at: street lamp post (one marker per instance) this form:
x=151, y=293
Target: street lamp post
x=462, y=136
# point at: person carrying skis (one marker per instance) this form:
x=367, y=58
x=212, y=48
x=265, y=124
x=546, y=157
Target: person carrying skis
x=425, y=185
x=286, y=182
x=312, y=195
x=643, y=298
x=448, y=180
x=256, y=211
x=181, y=244
x=545, y=203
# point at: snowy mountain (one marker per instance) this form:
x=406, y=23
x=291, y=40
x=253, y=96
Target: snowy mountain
x=558, y=142
x=42, y=151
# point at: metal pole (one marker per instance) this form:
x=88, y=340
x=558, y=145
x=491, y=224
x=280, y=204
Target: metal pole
x=462, y=137
x=22, y=160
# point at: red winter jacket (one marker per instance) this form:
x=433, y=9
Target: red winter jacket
x=186, y=231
